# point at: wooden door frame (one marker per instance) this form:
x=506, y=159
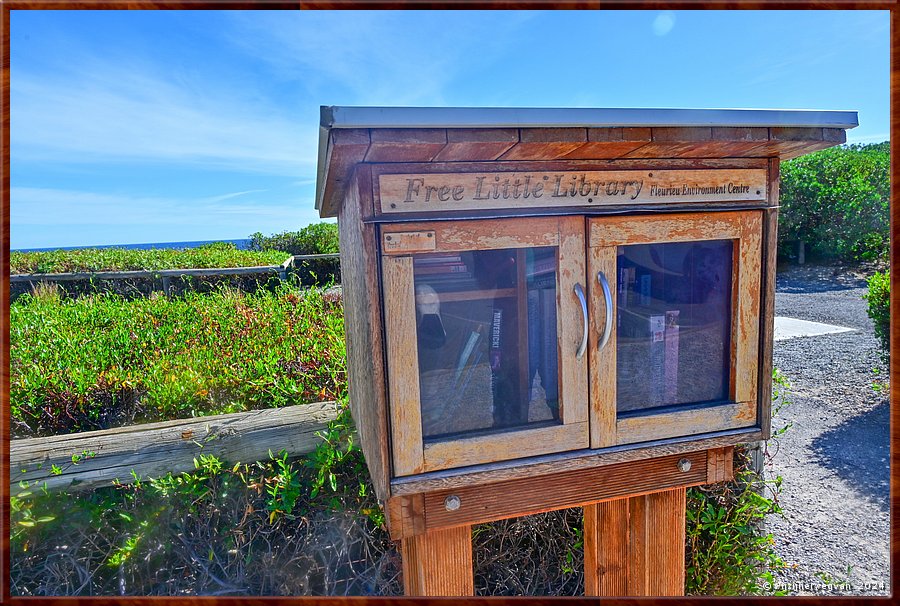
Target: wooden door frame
x=399, y=242
x=605, y=235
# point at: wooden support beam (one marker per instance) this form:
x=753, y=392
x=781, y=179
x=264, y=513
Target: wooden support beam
x=438, y=563
x=635, y=546
x=155, y=449
x=147, y=273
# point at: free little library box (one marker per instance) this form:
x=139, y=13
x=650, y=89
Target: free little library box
x=550, y=308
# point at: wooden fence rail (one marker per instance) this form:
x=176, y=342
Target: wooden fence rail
x=170, y=273
x=154, y=449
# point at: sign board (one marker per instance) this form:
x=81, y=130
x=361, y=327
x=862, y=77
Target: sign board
x=407, y=193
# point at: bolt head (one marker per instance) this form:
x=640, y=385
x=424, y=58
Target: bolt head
x=452, y=503
x=684, y=465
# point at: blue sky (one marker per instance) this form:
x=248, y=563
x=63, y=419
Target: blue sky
x=164, y=126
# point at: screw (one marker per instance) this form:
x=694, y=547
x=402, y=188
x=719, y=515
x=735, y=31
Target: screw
x=684, y=465
x=388, y=238
x=452, y=503
x=393, y=205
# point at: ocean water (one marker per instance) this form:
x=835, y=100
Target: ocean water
x=242, y=244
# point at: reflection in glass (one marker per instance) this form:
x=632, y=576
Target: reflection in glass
x=673, y=324
x=487, y=340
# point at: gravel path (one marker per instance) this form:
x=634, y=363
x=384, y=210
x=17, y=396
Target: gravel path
x=834, y=457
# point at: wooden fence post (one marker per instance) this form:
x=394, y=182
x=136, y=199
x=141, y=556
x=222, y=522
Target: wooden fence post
x=438, y=563
x=635, y=546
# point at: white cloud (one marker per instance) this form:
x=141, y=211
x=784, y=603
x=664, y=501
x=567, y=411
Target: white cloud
x=119, y=112
x=375, y=57
x=663, y=23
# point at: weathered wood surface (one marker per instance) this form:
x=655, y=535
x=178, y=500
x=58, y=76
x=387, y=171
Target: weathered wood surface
x=403, y=365
x=672, y=227
x=567, y=461
x=573, y=373
x=405, y=144
x=603, y=143
x=348, y=148
x=438, y=563
x=160, y=273
x=477, y=144
x=745, y=339
x=606, y=548
x=454, y=236
x=546, y=143
x=409, y=456
x=493, y=189
x=363, y=330
x=502, y=446
x=386, y=212
x=635, y=546
x=168, y=273
x=767, y=301
x=521, y=146
x=405, y=516
x=602, y=362
x=645, y=427
x=719, y=464
x=154, y=449
x=408, y=241
x=566, y=489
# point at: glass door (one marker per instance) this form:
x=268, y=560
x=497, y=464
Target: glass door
x=675, y=305
x=486, y=334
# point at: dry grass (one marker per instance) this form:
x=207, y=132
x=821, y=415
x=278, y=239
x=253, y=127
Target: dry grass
x=224, y=543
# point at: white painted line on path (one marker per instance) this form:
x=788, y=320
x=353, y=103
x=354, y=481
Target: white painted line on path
x=791, y=328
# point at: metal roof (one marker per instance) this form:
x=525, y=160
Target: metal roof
x=555, y=117
x=361, y=117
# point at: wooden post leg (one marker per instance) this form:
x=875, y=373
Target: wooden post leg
x=438, y=563
x=635, y=546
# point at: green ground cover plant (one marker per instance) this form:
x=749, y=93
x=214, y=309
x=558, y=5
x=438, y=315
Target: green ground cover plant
x=878, y=298
x=216, y=254
x=727, y=551
x=101, y=360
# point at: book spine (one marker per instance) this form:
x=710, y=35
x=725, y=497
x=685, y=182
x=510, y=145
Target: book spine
x=671, y=363
x=657, y=359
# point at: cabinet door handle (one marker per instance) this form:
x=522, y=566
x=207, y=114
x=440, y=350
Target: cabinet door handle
x=579, y=291
x=607, y=328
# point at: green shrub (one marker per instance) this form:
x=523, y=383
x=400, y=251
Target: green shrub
x=727, y=552
x=216, y=254
x=879, y=307
x=836, y=201
x=314, y=239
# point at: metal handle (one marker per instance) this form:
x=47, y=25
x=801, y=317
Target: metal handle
x=579, y=291
x=607, y=329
